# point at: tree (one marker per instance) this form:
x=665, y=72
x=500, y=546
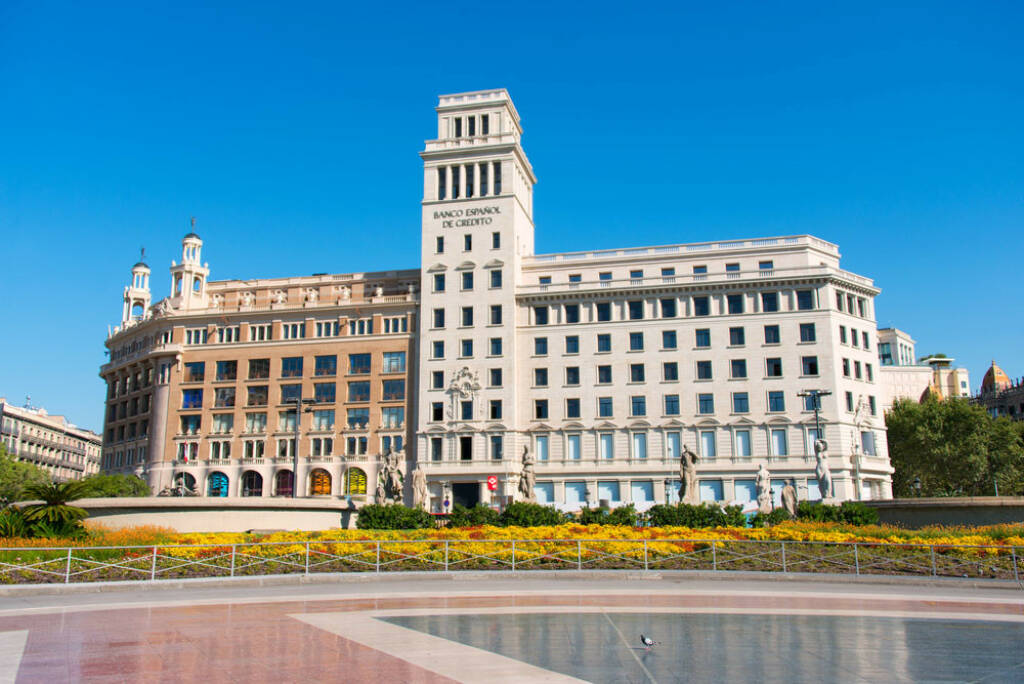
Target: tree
x=102, y=485
x=15, y=475
x=53, y=511
x=953, y=447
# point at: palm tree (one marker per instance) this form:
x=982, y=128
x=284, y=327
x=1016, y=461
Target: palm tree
x=54, y=509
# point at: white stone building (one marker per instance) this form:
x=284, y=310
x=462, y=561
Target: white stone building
x=605, y=363
x=902, y=376
x=51, y=442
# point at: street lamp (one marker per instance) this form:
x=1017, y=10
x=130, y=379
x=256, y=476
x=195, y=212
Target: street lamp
x=816, y=395
x=668, y=485
x=299, y=410
x=916, y=484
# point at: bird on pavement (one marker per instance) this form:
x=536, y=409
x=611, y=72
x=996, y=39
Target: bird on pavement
x=647, y=642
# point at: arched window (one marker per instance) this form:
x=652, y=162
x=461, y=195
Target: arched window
x=319, y=483
x=252, y=483
x=197, y=284
x=177, y=285
x=138, y=310
x=355, y=481
x=284, y=483
x=217, y=484
x=185, y=480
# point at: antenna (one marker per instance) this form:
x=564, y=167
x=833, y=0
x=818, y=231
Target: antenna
x=193, y=221
x=142, y=256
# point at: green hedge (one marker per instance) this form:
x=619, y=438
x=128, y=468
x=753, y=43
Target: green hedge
x=392, y=517
x=688, y=515
x=850, y=512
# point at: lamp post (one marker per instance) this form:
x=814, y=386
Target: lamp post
x=668, y=484
x=916, y=484
x=299, y=410
x=816, y=395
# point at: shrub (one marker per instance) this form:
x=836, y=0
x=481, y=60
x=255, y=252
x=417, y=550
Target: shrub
x=704, y=515
x=592, y=516
x=850, y=512
x=778, y=515
x=13, y=523
x=856, y=513
x=392, y=517
x=472, y=517
x=624, y=515
x=525, y=514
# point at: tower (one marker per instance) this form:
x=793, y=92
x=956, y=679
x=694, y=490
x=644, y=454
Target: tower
x=188, y=279
x=477, y=225
x=137, y=296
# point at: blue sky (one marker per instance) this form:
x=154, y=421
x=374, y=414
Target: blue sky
x=291, y=131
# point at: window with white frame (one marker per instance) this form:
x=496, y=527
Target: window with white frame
x=639, y=445
x=743, y=446
x=707, y=444
x=228, y=334
x=780, y=444
x=606, y=444
x=573, y=443
x=261, y=332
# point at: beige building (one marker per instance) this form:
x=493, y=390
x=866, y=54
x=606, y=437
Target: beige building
x=202, y=387
x=902, y=376
x=49, y=441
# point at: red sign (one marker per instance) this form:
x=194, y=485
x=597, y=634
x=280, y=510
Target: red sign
x=492, y=482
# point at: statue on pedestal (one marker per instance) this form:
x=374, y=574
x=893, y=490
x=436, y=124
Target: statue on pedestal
x=764, y=490
x=821, y=471
x=420, y=491
x=391, y=477
x=688, y=492
x=527, y=479
x=789, y=498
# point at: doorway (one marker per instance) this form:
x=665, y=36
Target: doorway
x=466, y=493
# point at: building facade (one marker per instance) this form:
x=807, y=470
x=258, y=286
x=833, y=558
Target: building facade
x=1001, y=395
x=603, y=365
x=49, y=441
x=202, y=387
x=902, y=376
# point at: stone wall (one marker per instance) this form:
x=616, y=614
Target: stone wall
x=964, y=510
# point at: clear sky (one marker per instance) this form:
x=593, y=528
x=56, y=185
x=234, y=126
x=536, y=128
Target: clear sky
x=291, y=131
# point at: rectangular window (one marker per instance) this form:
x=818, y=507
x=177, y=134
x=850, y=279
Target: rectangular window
x=636, y=310
x=191, y=425
x=293, y=331
x=495, y=377
x=734, y=303
x=668, y=308
x=223, y=423
x=290, y=393
x=291, y=367
x=638, y=406
x=771, y=334
x=671, y=404
x=540, y=409
x=540, y=315
x=437, y=410
x=359, y=391
x=191, y=398
x=437, y=380
x=872, y=406
x=604, y=407
x=467, y=281
x=439, y=245
x=740, y=402
x=705, y=404
x=574, y=445
x=707, y=444
x=324, y=392
x=358, y=364
x=703, y=338
x=495, y=346
x=639, y=445
x=743, y=449
x=442, y=188
x=842, y=334
x=572, y=375
x=543, y=453
x=469, y=174
x=673, y=441
x=738, y=369
x=497, y=447
x=668, y=339
x=258, y=395
x=732, y=268
x=436, y=448
x=867, y=443
x=780, y=445
x=438, y=318
x=495, y=409
x=670, y=371
x=606, y=446
x=604, y=375
x=773, y=367
x=865, y=339
x=394, y=362
x=804, y=300
x=636, y=274
x=495, y=240
x=849, y=402
x=323, y=419
x=224, y=397
x=604, y=311
x=540, y=377
x=195, y=372
x=776, y=402
x=853, y=337
x=871, y=375
x=467, y=316
x=227, y=370
x=703, y=370
x=358, y=417
x=259, y=369
x=572, y=344
x=495, y=279
x=572, y=408
x=540, y=346
x=439, y=282
x=809, y=365
x=466, y=410
x=765, y=265
x=846, y=368
x=636, y=341
x=466, y=349
x=604, y=276
x=636, y=372
x=467, y=243
x=807, y=332
x=604, y=342
x=701, y=306
x=737, y=338
x=497, y=178
x=572, y=313
x=769, y=302
x=325, y=365
x=437, y=350
x=255, y=422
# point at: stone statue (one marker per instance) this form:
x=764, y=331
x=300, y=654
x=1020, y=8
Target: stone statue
x=420, y=491
x=527, y=479
x=163, y=308
x=391, y=478
x=789, y=498
x=764, y=490
x=280, y=297
x=346, y=293
x=379, y=292
x=821, y=471
x=381, y=497
x=246, y=298
x=688, y=492
x=218, y=300
x=311, y=295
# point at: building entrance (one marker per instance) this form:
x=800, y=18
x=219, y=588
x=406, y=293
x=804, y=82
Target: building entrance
x=466, y=493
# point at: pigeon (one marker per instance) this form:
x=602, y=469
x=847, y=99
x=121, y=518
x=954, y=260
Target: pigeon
x=647, y=642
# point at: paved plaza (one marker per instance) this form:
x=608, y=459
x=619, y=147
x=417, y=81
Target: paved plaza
x=528, y=628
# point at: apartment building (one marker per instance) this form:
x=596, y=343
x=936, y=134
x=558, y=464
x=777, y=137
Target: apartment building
x=51, y=442
x=203, y=388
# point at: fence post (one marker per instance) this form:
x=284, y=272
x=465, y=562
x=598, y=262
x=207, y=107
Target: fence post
x=67, y=568
x=645, y=555
x=856, y=558
x=783, y=556
x=513, y=555
x=1013, y=552
x=714, y=556
x=378, y=556
x=446, y=555
x=307, y=558
x=152, y=566
x=579, y=554
x=932, y=549
x=233, y=560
